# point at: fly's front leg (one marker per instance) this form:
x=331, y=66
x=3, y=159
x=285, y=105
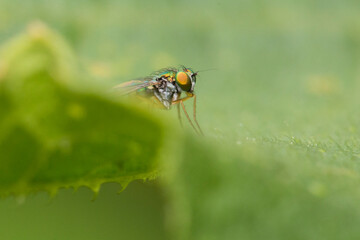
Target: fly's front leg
x=189, y=95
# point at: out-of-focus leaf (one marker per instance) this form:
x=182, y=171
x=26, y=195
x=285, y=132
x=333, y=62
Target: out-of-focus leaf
x=53, y=135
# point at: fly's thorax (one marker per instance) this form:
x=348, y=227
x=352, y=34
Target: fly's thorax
x=164, y=91
x=168, y=76
x=165, y=85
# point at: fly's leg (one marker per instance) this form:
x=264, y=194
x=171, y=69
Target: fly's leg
x=181, y=100
x=187, y=115
x=189, y=95
x=195, y=116
x=179, y=115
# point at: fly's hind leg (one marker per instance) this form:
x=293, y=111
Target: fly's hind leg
x=179, y=115
x=195, y=116
x=187, y=115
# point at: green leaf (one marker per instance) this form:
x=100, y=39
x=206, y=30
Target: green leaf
x=256, y=191
x=54, y=135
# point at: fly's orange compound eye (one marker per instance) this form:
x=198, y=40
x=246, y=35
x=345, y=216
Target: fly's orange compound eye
x=183, y=79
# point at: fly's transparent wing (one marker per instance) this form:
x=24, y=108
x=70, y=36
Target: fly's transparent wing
x=134, y=85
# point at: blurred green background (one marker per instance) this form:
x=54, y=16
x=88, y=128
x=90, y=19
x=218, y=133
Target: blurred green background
x=284, y=70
